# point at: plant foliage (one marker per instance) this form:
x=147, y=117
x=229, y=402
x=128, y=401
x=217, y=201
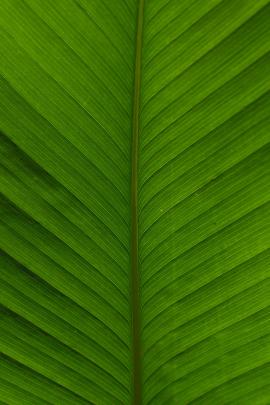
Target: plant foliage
x=167, y=102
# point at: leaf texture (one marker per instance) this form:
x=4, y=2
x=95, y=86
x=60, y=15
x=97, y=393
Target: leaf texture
x=203, y=194
x=68, y=117
x=66, y=85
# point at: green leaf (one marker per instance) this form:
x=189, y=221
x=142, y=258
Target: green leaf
x=134, y=181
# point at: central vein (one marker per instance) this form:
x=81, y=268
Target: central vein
x=136, y=328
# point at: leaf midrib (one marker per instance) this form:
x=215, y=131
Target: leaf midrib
x=135, y=278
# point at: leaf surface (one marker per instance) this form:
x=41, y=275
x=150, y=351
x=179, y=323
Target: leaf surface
x=134, y=205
